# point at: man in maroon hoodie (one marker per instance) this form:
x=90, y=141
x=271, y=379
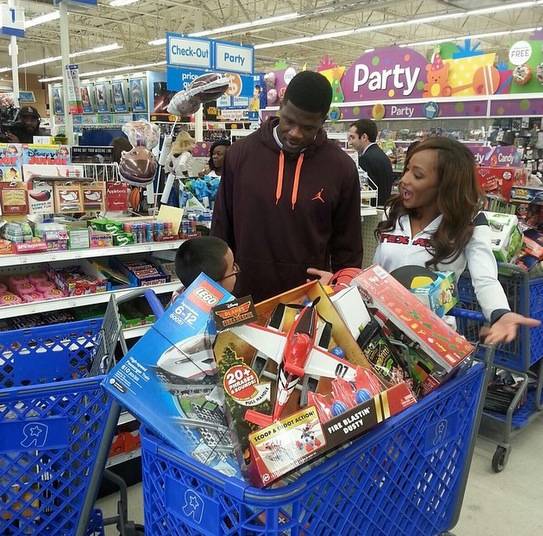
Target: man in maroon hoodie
x=289, y=198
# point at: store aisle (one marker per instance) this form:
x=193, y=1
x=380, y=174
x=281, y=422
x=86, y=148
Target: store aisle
x=495, y=504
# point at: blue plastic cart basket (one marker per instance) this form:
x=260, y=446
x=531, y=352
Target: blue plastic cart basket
x=54, y=436
x=405, y=477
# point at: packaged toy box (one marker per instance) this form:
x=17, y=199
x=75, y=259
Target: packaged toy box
x=296, y=383
x=168, y=379
x=505, y=235
x=431, y=350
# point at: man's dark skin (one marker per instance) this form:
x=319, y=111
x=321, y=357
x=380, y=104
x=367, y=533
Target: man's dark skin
x=297, y=129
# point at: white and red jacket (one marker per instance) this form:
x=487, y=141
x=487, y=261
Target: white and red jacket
x=399, y=248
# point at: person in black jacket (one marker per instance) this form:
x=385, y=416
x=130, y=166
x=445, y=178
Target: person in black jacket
x=362, y=136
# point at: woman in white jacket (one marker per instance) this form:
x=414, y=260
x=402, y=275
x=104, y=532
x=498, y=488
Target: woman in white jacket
x=435, y=222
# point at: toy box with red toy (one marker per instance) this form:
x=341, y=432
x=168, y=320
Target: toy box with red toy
x=499, y=181
x=422, y=345
x=297, y=384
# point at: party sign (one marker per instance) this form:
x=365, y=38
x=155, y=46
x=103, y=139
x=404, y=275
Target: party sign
x=385, y=73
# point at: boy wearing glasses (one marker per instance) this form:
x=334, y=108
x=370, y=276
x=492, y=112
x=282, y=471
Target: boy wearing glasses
x=207, y=254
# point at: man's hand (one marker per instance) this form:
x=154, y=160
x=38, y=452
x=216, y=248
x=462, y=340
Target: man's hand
x=11, y=137
x=505, y=329
x=322, y=276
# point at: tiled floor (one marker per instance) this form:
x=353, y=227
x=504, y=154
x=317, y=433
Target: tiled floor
x=505, y=504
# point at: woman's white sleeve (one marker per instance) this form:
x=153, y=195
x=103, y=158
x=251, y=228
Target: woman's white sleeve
x=483, y=270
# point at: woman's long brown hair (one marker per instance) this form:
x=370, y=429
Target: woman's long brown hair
x=458, y=200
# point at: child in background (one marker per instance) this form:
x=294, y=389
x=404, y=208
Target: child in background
x=206, y=254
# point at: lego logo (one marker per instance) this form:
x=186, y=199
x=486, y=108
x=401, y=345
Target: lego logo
x=205, y=296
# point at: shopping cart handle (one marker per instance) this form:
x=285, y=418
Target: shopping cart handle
x=154, y=303
x=149, y=295
x=467, y=314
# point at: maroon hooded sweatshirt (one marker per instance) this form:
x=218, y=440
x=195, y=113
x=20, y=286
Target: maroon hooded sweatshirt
x=281, y=213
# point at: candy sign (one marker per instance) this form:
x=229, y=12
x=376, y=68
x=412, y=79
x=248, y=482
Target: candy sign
x=385, y=73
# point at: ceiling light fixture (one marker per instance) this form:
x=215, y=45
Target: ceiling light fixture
x=119, y=3
x=42, y=19
x=474, y=36
x=399, y=24
x=127, y=68
x=52, y=59
x=234, y=27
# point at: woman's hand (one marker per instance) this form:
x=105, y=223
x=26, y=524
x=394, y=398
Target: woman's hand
x=322, y=275
x=505, y=329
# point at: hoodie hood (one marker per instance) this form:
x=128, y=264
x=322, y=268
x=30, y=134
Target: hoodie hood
x=267, y=137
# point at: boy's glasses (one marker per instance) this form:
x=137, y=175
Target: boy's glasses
x=235, y=271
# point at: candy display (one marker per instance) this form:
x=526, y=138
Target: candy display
x=28, y=288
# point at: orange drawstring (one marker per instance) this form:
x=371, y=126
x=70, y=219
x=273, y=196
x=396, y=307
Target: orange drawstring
x=296, y=184
x=280, y=177
x=280, y=173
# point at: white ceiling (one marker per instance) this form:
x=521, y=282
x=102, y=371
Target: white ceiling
x=134, y=25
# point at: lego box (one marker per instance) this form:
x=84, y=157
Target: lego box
x=168, y=379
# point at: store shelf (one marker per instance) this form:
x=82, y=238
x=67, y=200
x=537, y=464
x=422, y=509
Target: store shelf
x=124, y=457
x=75, y=301
x=135, y=333
x=74, y=254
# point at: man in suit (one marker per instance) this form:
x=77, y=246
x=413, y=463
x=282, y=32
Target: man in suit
x=362, y=136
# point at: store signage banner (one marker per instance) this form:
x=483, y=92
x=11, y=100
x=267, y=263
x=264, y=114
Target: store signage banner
x=188, y=51
x=74, y=89
x=12, y=21
x=234, y=58
x=385, y=73
x=207, y=54
x=497, y=156
x=517, y=107
x=178, y=79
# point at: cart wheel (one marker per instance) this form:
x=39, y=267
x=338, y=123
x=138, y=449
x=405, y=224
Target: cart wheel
x=500, y=458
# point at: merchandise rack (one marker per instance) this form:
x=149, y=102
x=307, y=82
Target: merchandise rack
x=89, y=253
x=76, y=301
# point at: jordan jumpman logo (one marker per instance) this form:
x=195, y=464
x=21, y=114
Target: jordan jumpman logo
x=318, y=196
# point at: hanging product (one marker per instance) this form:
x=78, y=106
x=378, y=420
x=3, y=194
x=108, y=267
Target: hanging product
x=205, y=88
x=138, y=166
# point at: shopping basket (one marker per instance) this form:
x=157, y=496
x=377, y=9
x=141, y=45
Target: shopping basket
x=405, y=477
x=525, y=297
x=55, y=429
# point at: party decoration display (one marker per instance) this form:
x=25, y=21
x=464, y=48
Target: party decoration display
x=333, y=74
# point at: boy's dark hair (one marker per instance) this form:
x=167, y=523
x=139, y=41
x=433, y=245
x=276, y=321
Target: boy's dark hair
x=201, y=254
x=310, y=91
x=366, y=126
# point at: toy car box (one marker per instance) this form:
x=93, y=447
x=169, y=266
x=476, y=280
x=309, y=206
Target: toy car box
x=505, y=235
x=168, y=379
x=250, y=381
x=422, y=327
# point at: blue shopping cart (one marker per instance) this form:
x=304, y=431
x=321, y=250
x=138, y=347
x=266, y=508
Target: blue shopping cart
x=406, y=477
x=56, y=425
x=523, y=356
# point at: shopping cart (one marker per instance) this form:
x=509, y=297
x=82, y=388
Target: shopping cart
x=522, y=356
x=56, y=425
x=405, y=477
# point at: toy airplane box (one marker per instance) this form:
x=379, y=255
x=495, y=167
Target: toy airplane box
x=168, y=379
x=423, y=328
x=280, y=374
x=506, y=237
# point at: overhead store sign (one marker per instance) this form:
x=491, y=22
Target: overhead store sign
x=182, y=51
x=12, y=21
x=189, y=52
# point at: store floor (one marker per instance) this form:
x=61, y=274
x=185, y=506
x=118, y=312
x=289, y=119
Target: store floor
x=495, y=504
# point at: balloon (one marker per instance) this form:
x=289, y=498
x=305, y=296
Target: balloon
x=270, y=80
x=272, y=97
x=205, y=88
x=138, y=166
